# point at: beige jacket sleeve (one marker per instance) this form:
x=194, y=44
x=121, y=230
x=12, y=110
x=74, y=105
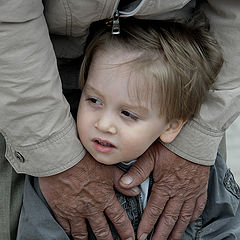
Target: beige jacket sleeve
x=40, y=133
x=200, y=138
x=35, y=120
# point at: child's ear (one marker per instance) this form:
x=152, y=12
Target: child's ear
x=173, y=129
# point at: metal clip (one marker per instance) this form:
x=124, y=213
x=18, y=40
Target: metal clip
x=115, y=23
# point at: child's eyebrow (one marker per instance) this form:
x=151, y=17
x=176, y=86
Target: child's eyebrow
x=91, y=88
x=138, y=108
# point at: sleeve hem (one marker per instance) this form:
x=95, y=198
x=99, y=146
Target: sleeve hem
x=56, y=154
x=196, y=144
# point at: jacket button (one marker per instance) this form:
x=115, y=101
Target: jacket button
x=19, y=156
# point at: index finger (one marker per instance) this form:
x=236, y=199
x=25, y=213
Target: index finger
x=153, y=210
x=183, y=219
x=79, y=229
x=168, y=219
x=100, y=227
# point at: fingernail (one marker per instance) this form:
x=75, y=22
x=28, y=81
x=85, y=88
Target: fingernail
x=136, y=190
x=126, y=180
x=143, y=236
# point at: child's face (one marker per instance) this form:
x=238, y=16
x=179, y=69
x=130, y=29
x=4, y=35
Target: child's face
x=112, y=125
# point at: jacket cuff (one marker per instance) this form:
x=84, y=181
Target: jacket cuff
x=56, y=154
x=196, y=144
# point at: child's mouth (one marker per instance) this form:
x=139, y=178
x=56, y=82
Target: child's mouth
x=103, y=145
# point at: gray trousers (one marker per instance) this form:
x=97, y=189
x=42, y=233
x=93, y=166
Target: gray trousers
x=220, y=218
x=11, y=193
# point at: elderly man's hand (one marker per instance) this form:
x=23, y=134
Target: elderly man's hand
x=178, y=195
x=86, y=192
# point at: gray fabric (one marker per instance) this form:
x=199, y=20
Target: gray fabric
x=11, y=192
x=220, y=219
x=222, y=148
x=221, y=216
x=36, y=220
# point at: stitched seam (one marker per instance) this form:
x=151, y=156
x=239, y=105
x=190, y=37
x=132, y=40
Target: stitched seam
x=61, y=168
x=68, y=17
x=193, y=157
x=205, y=129
x=53, y=139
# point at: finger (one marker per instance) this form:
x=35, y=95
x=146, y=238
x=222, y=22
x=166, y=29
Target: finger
x=64, y=223
x=153, y=210
x=79, y=229
x=120, y=220
x=183, y=219
x=140, y=170
x=168, y=219
x=100, y=227
x=116, y=177
x=199, y=206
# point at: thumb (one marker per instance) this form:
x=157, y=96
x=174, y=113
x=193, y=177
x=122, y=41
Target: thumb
x=140, y=171
x=118, y=173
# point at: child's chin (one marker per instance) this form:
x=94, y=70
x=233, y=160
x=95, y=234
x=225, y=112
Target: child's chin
x=107, y=162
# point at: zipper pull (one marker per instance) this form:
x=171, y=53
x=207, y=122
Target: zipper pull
x=115, y=23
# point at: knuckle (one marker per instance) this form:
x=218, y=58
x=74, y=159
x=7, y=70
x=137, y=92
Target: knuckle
x=163, y=188
x=197, y=213
x=119, y=218
x=154, y=212
x=178, y=232
x=178, y=236
x=163, y=235
x=185, y=218
x=201, y=208
x=194, y=218
x=63, y=224
x=139, y=171
x=102, y=233
x=80, y=236
x=66, y=228
x=169, y=219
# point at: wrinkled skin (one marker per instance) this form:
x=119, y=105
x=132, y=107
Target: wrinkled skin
x=178, y=195
x=86, y=192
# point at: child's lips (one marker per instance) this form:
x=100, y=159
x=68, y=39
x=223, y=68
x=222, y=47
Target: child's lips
x=102, y=145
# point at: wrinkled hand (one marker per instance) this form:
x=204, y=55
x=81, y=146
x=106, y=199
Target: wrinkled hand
x=86, y=192
x=178, y=195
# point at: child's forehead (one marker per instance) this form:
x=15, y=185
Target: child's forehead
x=114, y=68
x=114, y=56
x=126, y=66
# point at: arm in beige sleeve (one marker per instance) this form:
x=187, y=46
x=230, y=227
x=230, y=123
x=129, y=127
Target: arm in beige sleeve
x=200, y=138
x=40, y=133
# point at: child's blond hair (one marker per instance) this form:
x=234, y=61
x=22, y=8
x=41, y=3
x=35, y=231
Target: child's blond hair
x=179, y=61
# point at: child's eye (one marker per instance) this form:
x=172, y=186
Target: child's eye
x=93, y=100
x=129, y=115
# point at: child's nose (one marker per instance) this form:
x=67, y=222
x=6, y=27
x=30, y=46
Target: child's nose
x=106, y=124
